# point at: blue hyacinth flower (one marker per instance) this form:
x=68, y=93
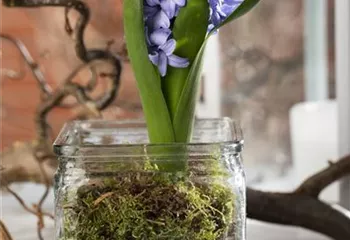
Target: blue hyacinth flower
x=162, y=49
x=161, y=46
x=220, y=10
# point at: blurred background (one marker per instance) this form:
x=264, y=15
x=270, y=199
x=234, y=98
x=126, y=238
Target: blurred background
x=273, y=71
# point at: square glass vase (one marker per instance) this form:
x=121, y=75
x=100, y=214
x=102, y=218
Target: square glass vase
x=112, y=184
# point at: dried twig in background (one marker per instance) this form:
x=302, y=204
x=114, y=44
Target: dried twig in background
x=34, y=67
x=41, y=148
x=24, y=205
x=4, y=233
x=302, y=207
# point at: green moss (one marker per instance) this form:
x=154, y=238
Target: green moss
x=149, y=206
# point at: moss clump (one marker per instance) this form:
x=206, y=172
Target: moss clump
x=149, y=207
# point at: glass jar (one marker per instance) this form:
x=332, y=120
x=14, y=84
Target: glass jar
x=112, y=184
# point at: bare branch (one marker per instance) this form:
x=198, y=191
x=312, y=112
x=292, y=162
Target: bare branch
x=34, y=67
x=19, y=164
x=4, y=233
x=41, y=149
x=36, y=3
x=40, y=224
x=87, y=55
x=316, y=183
x=45, y=88
x=302, y=207
x=24, y=205
x=5, y=183
x=298, y=210
x=67, y=89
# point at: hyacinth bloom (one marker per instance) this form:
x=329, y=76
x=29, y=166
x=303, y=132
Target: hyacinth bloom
x=161, y=46
x=161, y=54
x=158, y=15
x=220, y=10
x=171, y=7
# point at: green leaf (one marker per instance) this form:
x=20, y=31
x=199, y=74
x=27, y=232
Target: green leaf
x=156, y=112
x=190, y=29
x=183, y=118
x=245, y=7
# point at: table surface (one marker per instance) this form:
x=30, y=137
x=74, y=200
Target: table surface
x=23, y=225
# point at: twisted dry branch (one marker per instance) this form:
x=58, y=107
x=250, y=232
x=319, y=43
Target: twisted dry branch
x=24, y=205
x=302, y=207
x=4, y=233
x=316, y=183
x=45, y=88
x=34, y=67
x=53, y=98
x=43, y=150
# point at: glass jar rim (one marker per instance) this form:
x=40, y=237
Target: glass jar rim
x=67, y=143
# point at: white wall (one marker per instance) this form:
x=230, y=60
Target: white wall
x=342, y=18
x=210, y=108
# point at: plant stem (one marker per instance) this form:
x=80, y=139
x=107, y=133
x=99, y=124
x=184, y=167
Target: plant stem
x=159, y=124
